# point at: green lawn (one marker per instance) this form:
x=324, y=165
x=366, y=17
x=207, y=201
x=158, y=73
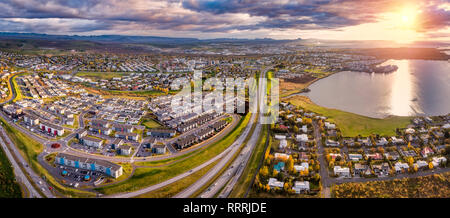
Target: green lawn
x=100, y=75
x=150, y=123
x=144, y=177
x=178, y=186
x=19, y=95
x=30, y=149
x=9, y=188
x=140, y=92
x=353, y=124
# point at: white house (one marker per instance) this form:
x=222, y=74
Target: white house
x=283, y=143
x=280, y=137
x=273, y=183
x=401, y=166
x=420, y=164
x=302, y=167
x=125, y=149
x=301, y=186
x=329, y=125
x=437, y=160
x=304, y=129
x=91, y=142
x=281, y=156
x=51, y=128
x=301, y=138
x=410, y=131
x=342, y=171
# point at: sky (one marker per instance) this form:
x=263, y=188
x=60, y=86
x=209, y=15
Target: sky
x=401, y=21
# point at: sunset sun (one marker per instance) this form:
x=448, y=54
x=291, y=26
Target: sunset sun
x=406, y=19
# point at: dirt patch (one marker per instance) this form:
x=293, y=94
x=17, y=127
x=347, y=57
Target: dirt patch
x=303, y=79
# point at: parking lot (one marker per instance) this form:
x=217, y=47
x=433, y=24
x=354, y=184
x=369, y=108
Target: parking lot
x=76, y=177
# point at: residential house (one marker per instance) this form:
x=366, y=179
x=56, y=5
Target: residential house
x=342, y=171
x=401, y=167
x=355, y=157
x=301, y=186
x=91, y=142
x=274, y=183
x=125, y=150
x=161, y=133
x=331, y=143
x=106, y=167
x=359, y=169
x=159, y=148
x=128, y=136
x=426, y=152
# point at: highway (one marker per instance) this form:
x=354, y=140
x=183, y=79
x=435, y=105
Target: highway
x=20, y=175
x=239, y=162
x=36, y=178
x=229, y=178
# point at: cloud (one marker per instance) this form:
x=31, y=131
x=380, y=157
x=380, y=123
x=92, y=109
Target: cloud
x=206, y=16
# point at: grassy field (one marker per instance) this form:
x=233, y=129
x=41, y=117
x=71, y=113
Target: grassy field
x=289, y=88
x=432, y=186
x=9, y=188
x=251, y=169
x=100, y=75
x=144, y=177
x=19, y=95
x=178, y=186
x=353, y=124
x=30, y=149
x=150, y=123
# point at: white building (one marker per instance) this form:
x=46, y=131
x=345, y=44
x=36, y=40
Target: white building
x=92, y=142
x=280, y=137
x=281, y=156
x=302, y=167
x=329, y=125
x=301, y=138
x=273, y=183
x=401, y=166
x=301, y=187
x=106, y=167
x=342, y=171
x=283, y=143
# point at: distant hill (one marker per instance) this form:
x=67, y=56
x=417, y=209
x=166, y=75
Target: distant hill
x=155, y=40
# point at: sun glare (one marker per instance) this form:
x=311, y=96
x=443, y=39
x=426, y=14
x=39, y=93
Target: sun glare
x=406, y=19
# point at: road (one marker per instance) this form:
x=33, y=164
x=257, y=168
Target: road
x=239, y=163
x=20, y=175
x=230, y=177
x=36, y=178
